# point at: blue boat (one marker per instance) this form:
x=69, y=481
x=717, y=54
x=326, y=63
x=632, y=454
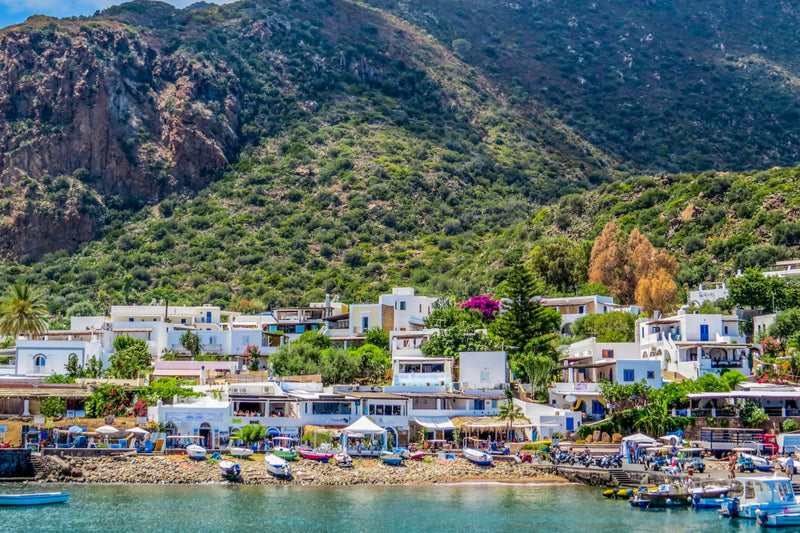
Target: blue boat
x=393, y=458
x=38, y=498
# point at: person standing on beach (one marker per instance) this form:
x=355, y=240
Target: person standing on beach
x=732, y=466
x=790, y=467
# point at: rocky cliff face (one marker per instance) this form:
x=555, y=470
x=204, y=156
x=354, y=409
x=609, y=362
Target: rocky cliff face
x=93, y=115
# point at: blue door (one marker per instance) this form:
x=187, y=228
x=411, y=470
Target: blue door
x=570, y=424
x=703, y=332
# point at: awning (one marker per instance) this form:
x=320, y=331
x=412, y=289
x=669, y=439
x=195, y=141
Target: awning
x=435, y=423
x=485, y=422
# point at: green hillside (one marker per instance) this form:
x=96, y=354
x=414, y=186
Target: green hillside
x=288, y=150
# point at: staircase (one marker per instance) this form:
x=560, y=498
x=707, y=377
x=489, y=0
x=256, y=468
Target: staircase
x=796, y=486
x=37, y=465
x=622, y=479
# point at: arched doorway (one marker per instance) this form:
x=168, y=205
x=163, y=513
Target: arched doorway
x=208, y=435
x=393, y=438
x=171, y=428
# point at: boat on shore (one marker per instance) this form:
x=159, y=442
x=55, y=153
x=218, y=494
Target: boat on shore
x=394, y=457
x=230, y=470
x=196, y=452
x=37, y=498
x=240, y=452
x=315, y=455
x=476, y=456
x=710, y=496
x=284, y=448
x=343, y=460
x=277, y=466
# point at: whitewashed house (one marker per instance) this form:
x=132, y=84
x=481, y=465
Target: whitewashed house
x=574, y=307
x=695, y=344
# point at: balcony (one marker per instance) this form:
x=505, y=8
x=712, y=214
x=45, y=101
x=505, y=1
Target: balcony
x=212, y=348
x=575, y=388
x=433, y=379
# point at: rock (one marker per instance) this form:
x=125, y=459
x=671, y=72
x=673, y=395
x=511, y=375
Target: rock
x=606, y=438
x=596, y=436
x=616, y=438
x=76, y=472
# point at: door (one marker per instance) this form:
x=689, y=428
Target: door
x=570, y=424
x=703, y=332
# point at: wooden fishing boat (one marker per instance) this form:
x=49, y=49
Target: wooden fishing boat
x=476, y=456
x=277, y=466
x=230, y=470
x=38, y=498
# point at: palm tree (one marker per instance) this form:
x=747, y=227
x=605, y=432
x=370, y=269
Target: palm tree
x=510, y=412
x=22, y=312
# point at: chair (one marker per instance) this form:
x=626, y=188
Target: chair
x=148, y=446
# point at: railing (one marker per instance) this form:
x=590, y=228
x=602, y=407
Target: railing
x=726, y=364
x=212, y=348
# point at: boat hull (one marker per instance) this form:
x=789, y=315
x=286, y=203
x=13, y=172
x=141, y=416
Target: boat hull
x=229, y=469
x=289, y=454
x=241, y=452
x=391, y=458
x=198, y=453
x=313, y=455
x=343, y=460
x=779, y=519
x=476, y=456
x=277, y=466
x=42, y=498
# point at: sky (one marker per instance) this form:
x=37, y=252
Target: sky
x=16, y=11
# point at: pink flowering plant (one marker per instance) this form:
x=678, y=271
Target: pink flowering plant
x=484, y=303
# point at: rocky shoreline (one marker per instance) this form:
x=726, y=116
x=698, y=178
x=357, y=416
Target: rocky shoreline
x=174, y=469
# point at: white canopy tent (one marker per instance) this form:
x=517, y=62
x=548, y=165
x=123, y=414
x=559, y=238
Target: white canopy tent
x=364, y=426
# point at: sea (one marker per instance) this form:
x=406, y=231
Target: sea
x=480, y=507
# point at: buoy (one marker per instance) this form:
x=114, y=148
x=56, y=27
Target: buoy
x=609, y=493
x=623, y=493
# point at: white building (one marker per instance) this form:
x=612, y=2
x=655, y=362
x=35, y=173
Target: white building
x=415, y=374
x=695, y=344
x=784, y=269
x=589, y=362
x=50, y=356
x=548, y=420
x=708, y=292
x=482, y=370
x=574, y=307
x=402, y=310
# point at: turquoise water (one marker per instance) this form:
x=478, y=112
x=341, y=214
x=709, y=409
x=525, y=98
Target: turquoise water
x=484, y=508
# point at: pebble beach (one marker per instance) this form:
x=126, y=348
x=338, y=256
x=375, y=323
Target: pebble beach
x=176, y=469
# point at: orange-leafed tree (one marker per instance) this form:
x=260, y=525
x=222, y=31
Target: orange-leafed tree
x=611, y=263
x=657, y=292
x=621, y=262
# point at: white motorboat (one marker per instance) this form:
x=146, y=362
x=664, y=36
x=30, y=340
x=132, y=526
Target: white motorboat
x=343, y=460
x=476, y=456
x=277, y=466
x=230, y=470
x=196, y=452
x=763, y=495
x=238, y=451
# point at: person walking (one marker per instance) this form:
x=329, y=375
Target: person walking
x=790, y=467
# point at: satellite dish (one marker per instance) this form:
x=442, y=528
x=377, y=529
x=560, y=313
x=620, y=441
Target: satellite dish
x=571, y=398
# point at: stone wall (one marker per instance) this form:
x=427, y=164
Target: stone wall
x=15, y=463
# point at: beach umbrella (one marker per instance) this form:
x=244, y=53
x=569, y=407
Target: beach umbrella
x=106, y=430
x=75, y=429
x=138, y=431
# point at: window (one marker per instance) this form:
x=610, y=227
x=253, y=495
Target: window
x=246, y=339
x=608, y=354
x=725, y=329
x=651, y=374
x=627, y=375
x=364, y=323
x=39, y=360
x=485, y=375
x=580, y=309
x=402, y=306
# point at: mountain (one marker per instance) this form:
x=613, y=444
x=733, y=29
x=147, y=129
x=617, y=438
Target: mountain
x=266, y=152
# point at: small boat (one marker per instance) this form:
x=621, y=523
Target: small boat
x=238, y=451
x=196, y=452
x=711, y=496
x=393, y=457
x=315, y=455
x=778, y=519
x=663, y=496
x=284, y=448
x=476, y=456
x=38, y=498
x=230, y=470
x=277, y=466
x=343, y=460
x=417, y=455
